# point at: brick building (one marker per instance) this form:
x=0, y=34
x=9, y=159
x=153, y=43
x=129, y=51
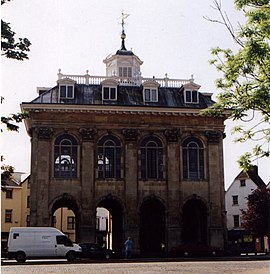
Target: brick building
x=136, y=146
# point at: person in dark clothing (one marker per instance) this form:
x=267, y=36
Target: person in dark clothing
x=128, y=247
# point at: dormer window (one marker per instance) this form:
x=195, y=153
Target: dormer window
x=109, y=90
x=151, y=95
x=66, y=88
x=150, y=91
x=109, y=93
x=66, y=91
x=191, y=97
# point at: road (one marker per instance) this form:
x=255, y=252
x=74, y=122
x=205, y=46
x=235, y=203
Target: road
x=201, y=267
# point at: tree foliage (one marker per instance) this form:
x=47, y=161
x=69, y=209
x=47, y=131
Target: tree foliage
x=245, y=81
x=10, y=122
x=17, y=50
x=11, y=48
x=6, y=175
x=256, y=218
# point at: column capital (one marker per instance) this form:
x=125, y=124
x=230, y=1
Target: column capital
x=213, y=136
x=88, y=134
x=44, y=133
x=172, y=134
x=130, y=134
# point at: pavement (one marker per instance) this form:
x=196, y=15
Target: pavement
x=244, y=257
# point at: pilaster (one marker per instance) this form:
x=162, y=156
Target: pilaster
x=216, y=187
x=41, y=164
x=131, y=219
x=88, y=215
x=173, y=175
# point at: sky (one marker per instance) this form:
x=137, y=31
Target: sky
x=169, y=36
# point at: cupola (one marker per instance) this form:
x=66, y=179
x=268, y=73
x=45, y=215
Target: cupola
x=124, y=64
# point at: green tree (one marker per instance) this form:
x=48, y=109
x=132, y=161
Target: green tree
x=245, y=81
x=256, y=218
x=10, y=48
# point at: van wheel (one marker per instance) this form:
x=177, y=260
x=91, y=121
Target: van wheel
x=71, y=256
x=20, y=257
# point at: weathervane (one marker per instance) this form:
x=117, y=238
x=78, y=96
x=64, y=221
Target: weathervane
x=123, y=35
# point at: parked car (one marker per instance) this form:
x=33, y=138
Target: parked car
x=91, y=250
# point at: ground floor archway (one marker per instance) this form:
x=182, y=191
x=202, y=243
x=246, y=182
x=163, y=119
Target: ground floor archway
x=152, y=227
x=194, y=222
x=115, y=223
x=65, y=216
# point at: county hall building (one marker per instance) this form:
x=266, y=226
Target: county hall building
x=138, y=147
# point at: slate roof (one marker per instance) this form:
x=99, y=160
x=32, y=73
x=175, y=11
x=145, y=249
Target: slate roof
x=126, y=96
x=124, y=52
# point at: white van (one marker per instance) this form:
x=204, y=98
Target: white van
x=40, y=242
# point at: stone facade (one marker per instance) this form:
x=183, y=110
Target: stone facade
x=85, y=192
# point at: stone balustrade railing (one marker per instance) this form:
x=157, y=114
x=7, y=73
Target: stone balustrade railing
x=125, y=81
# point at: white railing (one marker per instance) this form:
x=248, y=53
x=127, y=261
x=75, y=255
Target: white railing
x=124, y=81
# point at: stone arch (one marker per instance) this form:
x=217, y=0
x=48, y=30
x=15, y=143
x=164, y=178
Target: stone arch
x=201, y=138
x=114, y=134
x=155, y=135
x=151, y=197
x=152, y=225
x=116, y=208
x=66, y=200
x=194, y=213
x=67, y=132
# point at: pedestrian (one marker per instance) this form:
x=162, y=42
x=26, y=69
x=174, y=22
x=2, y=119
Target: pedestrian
x=128, y=248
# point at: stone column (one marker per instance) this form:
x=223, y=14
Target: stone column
x=216, y=189
x=173, y=175
x=88, y=210
x=131, y=218
x=40, y=176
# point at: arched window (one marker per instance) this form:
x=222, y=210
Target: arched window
x=65, y=156
x=193, y=159
x=151, y=158
x=109, y=157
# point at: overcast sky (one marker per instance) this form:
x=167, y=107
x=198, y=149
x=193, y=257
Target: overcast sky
x=170, y=36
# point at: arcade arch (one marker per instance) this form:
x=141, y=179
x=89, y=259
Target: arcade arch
x=64, y=214
x=115, y=224
x=152, y=226
x=194, y=222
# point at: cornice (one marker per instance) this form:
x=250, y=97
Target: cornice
x=100, y=109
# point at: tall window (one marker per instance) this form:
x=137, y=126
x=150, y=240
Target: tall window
x=236, y=221
x=28, y=202
x=151, y=158
x=70, y=222
x=109, y=157
x=235, y=199
x=193, y=159
x=9, y=193
x=8, y=216
x=65, y=156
